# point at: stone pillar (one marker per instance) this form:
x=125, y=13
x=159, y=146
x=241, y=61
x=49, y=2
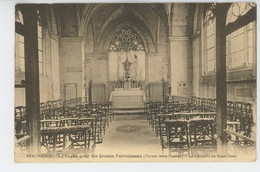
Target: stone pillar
x=196, y=58
x=54, y=46
x=180, y=50
x=71, y=52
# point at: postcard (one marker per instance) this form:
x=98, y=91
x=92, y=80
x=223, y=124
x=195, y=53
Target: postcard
x=135, y=82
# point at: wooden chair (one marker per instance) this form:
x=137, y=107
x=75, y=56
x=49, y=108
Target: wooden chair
x=154, y=110
x=202, y=135
x=244, y=114
x=105, y=114
x=20, y=121
x=162, y=129
x=91, y=122
x=247, y=119
x=98, y=126
x=52, y=140
x=231, y=111
x=146, y=110
x=79, y=138
x=177, y=136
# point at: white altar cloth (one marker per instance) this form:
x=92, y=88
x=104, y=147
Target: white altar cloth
x=128, y=99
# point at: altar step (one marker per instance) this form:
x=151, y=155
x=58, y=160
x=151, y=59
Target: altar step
x=118, y=111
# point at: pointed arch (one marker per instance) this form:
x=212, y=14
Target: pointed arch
x=126, y=39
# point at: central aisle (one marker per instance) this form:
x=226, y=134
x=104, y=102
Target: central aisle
x=129, y=134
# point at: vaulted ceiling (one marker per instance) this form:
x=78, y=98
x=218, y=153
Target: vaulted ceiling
x=98, y=23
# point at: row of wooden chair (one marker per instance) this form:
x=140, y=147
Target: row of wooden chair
x=62, y=139
x=239, y=115
x=203, y=104
x=152, y=108
x=97, y=116
x=179, y=127
x=182, y=135
x=237, y=111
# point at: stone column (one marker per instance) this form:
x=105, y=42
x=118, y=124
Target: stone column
x=54, y=46
x=180, y=51
x=196, y=58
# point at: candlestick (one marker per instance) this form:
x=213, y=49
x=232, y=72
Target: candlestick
x=162, y=72
x=90, y=73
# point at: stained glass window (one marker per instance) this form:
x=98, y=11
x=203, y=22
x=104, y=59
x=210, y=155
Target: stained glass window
x=126, y=40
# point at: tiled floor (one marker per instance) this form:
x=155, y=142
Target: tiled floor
x=129, y=134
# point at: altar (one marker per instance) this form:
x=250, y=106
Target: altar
x=126, y=64
x=128, y=99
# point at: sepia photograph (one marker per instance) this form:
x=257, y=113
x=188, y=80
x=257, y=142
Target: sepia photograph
x=135, y=82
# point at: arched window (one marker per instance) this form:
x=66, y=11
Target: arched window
x=238, y=9
x=19, y=17
x=209, y=59
x=19, y=42
x=241, y=42
x=126, y=40
x=126, y=57
x=241, y=47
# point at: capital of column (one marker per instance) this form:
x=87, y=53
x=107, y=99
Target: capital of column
x=177, y=39
x=54, y=36
x=196, y=34
x=72, y=39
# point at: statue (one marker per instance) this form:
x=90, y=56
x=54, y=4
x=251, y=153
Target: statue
x=127, y=65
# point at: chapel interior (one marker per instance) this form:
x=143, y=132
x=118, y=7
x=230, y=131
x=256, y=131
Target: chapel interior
x=149, y=78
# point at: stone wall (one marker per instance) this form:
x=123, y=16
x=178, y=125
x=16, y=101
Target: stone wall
x=71, y=62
